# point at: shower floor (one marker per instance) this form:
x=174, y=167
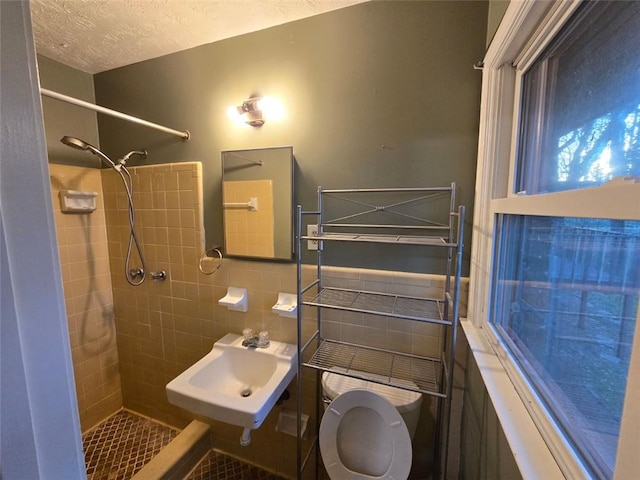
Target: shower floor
x=218, y=466
x=121, y=445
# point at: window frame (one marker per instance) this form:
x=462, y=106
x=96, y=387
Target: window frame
x=524, y=32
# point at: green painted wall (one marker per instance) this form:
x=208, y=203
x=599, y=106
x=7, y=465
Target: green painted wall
x=496, y=12
x=61, y=118
x=381, y=94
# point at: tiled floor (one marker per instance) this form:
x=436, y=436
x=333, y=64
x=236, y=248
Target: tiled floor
x=217, y=466
x=121, y=445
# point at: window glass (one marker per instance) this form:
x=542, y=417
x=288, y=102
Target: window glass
x=565, y=299
x=581, y=103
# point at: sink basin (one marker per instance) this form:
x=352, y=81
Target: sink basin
x=235, y=384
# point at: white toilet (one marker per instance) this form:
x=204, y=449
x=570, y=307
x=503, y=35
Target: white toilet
x=367, y=429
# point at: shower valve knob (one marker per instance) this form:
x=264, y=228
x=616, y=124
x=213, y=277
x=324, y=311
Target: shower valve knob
x=161, y=275
x=136, y=272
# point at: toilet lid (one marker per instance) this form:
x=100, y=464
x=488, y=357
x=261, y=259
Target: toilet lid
x=362, y=436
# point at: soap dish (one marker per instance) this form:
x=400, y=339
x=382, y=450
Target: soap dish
x=235, y=299
x=287, y=305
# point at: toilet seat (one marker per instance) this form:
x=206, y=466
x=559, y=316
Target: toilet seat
x=362, y=436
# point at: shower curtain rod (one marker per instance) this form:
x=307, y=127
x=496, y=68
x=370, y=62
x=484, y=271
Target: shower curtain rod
x=184, y=134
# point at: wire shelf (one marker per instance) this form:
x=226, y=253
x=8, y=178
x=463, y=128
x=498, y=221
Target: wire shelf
x=409, y=372
x=389, y=239
x=390, y=305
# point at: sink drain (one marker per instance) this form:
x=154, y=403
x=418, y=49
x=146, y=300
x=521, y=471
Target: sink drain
x=246, y=393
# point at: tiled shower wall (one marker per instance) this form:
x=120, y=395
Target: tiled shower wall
x=163, y=327
x=155, y=321
x=84, y=259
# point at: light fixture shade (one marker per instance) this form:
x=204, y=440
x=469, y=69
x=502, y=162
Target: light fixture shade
x=252, y=114
x=272, y=108
x=256, y=110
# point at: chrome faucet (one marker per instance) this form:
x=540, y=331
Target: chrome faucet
x=255, y=341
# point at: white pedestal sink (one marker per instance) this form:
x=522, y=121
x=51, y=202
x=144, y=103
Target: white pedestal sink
x=235, y=384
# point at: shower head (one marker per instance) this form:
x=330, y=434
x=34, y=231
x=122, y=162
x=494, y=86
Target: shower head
x=74, y=142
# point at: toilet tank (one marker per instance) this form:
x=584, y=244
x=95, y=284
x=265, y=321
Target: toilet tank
x=405, y=401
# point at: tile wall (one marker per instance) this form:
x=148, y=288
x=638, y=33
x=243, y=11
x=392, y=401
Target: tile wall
x=84, y=259
x=163, y=327
x=159, y=324
x=484, y=447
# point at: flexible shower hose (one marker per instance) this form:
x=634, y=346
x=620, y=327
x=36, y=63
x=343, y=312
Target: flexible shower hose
x=129, y=273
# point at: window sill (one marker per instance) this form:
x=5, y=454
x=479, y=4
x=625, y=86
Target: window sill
x=533, y=457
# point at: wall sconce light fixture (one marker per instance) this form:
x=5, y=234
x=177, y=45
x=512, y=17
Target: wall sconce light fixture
x=256, y=110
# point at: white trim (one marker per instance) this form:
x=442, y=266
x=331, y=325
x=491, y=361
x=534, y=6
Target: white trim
x=510, y=161
x=517, y=25
x=529, y=449
x=595, y=202
x=548, y=28
x=492, y=106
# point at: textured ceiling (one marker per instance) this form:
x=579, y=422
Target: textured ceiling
x=98, y=35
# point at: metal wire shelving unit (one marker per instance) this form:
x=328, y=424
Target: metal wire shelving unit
x=366, y=221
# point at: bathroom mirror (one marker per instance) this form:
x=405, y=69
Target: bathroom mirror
x=257, y=202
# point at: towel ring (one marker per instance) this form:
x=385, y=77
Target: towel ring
x=203, y=256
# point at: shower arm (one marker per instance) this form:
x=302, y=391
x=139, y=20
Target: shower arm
x=123, y=161
x=184, y=134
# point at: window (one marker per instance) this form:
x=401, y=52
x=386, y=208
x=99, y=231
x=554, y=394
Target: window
x=581, y=102
x=566, y=295
x=564, y=277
